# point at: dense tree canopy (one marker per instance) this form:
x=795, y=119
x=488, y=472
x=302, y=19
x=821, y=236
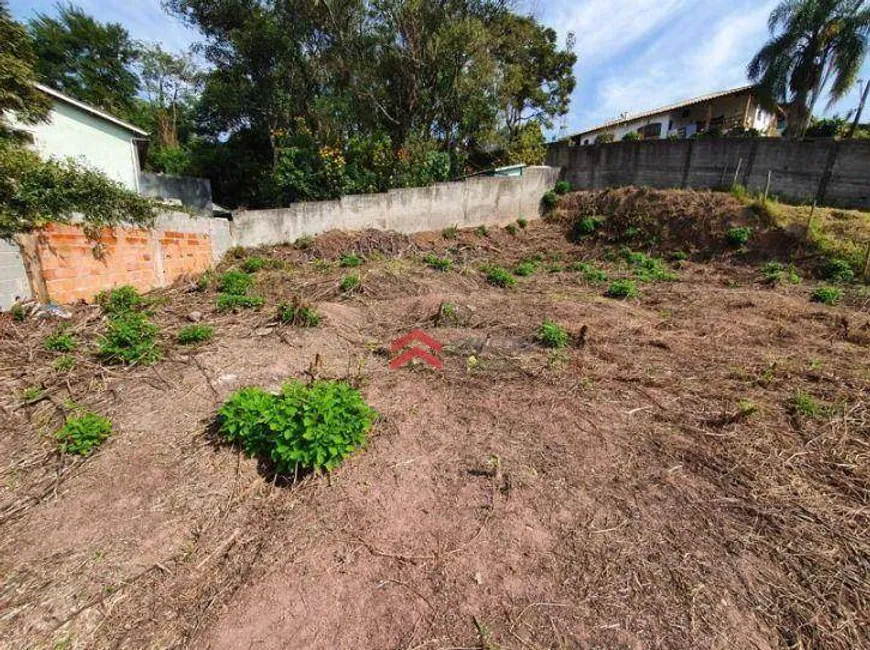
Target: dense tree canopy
x=17, y=93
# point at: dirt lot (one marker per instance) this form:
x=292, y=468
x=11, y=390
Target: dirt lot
x=652, y=486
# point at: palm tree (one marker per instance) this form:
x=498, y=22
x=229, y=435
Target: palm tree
x=813, y=42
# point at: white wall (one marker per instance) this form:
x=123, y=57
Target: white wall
x=14, y=284
x=74, y=133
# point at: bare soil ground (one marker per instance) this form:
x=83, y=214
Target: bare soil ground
x=620, y=493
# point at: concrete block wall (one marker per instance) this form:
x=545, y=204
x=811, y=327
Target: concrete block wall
x=832, y=172
x=14, y=284
x=472, y=202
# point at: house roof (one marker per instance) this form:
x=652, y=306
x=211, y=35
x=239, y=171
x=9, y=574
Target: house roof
x=90, y=109
x=662, y=109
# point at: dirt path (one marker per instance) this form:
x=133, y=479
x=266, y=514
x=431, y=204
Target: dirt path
x=613, y=495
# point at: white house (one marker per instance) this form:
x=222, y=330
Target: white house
x=724, y=110
x=87, y=134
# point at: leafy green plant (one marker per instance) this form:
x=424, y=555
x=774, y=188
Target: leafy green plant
x=350, y=260
x=32, y=393
x=776, y=272
x=838, y=270
x=204, y=280
x=585, y=227
x=254, y=264
x=450, y=232
x=120, y=300
x=59, y=341
x=552, y=335
x=827, y=295
x=738, y=236
x=523, y=223
x=481, y=231
x=231, y=302
x=549, y=200
x=590, y=273
x=64, y=363
x=313, y=426
x=130, y=339
x=304, y=242
x=526, y=268
x=562, y=187
x=804, y=404
x=350, y=283
x=679, y=256
x=191, y=334
x=19, y=313
x=82, y=434
x=298, y=313
x=442, y=264
x=235, y=283
x=622, y=289
x=746, y=408
x=511, y=229
x=499, y=276
x=648, y=269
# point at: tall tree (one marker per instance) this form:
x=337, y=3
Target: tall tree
x=17, y=93
x=86, y=59
x=169, y=84
x=813, y=43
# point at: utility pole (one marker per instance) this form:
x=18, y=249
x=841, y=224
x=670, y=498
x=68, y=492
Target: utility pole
x=857, y=121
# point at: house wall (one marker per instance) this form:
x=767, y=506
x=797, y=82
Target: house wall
x=832, y=172
x=75, y=133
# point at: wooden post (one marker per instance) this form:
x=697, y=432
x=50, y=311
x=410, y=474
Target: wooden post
x=810, y=220
x=767, y=187
x=722, y=180
x=737, y=172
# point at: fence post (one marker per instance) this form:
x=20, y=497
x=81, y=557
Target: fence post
x=767, y=187
x=737, y=172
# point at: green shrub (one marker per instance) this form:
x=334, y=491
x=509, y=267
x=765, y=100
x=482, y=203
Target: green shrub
x=631, y=136
x=827, y=295
x=130, y=339
x=120, y=300
x=191, y=334
x=65, y=363
x=19, y=313
x=838, y=270
x=304, y=242
x=562, y=187
x=204, y=280
x=622, y=289
x=350, y=283
x=231, y=302
x=679, y=256
x=350, y=260
x=481, y=231
x=298, y=313
x=648, y=269
x=740, y=193
x=499, y=276
x=32, y=393
x=590, y=273
x=549, y=201
x=511, y=229
x=442, y=264
x=309, y=427
x=776, y=272
x=59, y=341
x=585, y=227
x=526, y=268
x=235, y=283
x=552, y=335
x=253, y=264
x=81, y=435
x=738, y=236
x=523, y=223
x=450, y=232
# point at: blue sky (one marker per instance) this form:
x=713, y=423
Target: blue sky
x=634, y=55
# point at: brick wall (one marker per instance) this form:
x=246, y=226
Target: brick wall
x=72, y=267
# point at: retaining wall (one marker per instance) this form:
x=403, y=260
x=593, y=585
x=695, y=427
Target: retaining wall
x=194, y=193
x=13, y=276
x=831, y=172
x=473, y=202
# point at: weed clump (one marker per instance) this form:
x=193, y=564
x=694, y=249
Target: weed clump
x=481, y=231
x=130, y=339
x=19, y=313
x=64, y=363
x=525, y=268
x=590, y=273
x=229, y=302
x=827, y=295
x=585, y=227
x=562, y=188
x=303, y=243
x=350, y=260
x=499, y=276
x=350, y=283
x=442, y=264
x=522, y=222
x=738, y=236
x=235, y=283
x=552, y=335
x=838, y=270
x=776, y=273
x=648, y=269
x=313, y=426
x=622, y=290
x=299, y=314
x=549, y=200
x=511, y=229
x=450, y=232
x=805, y=405
x=81, y=435
x=59, y=341
x=120, y=300
x=192, y=334
x=254, y=264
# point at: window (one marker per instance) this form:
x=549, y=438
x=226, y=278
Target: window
x=670, y=125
